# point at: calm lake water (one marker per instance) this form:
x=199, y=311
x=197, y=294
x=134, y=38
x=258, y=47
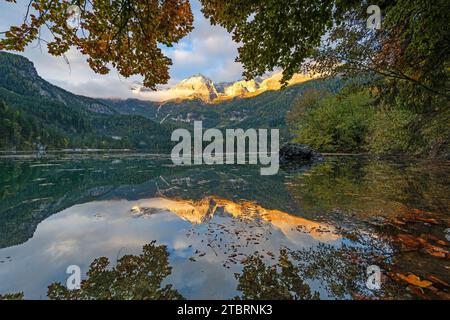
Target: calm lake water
x=223, y=232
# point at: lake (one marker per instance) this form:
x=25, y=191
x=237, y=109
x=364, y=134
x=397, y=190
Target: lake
x=223, y=232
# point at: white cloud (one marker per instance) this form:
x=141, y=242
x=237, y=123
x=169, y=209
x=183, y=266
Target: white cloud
x=229, y=71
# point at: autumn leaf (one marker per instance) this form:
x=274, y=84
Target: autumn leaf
x=409, y=241
x=415, y=280
x=435, y=251
x=438, y=281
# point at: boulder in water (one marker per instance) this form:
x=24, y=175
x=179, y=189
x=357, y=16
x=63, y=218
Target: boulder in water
x=298, y=153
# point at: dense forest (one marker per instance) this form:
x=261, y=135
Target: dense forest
x=35, y=112
x=354, y=120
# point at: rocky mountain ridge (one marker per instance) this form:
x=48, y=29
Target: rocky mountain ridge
x=203, y=88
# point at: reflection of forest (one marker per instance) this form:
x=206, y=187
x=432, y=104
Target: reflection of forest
x=31, y=191
x=341, y=271
x=368, y=187
x=140, y=277
x=134, y=277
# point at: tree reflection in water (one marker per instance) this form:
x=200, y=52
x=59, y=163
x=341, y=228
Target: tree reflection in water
x=135, y=277
x=336, y=272
x=259, y=281
x=342, y=271
x=12, y=296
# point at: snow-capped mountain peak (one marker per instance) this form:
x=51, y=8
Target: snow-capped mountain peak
x=201, y=87
x=197, y=86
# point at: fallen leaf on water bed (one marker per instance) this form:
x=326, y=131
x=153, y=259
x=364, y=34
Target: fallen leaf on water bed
x=429, y=237
x=398, y=221
x=412, y=211
x=442, y=243
x=427, y=220
x=415, y=280
x=435, y=251
x=410, y=241
x=438, y=281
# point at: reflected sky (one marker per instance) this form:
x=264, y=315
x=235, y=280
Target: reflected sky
x=204, y=253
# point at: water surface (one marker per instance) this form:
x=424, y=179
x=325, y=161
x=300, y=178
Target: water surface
x=225, y=232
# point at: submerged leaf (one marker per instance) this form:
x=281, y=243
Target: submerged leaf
x=415, y=280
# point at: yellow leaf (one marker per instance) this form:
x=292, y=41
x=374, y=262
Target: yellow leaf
x=415, y=280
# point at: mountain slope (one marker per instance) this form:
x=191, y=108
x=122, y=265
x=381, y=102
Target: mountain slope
x=35, y=111
x=18, y=75
x=265, y=110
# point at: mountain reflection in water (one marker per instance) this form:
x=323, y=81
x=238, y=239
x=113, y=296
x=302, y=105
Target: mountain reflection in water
x=223, y=232
x=204, y=211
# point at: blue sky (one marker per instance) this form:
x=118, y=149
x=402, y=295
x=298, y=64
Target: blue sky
x=209, y=50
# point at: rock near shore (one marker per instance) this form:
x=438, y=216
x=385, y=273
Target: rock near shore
x=298, y=153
